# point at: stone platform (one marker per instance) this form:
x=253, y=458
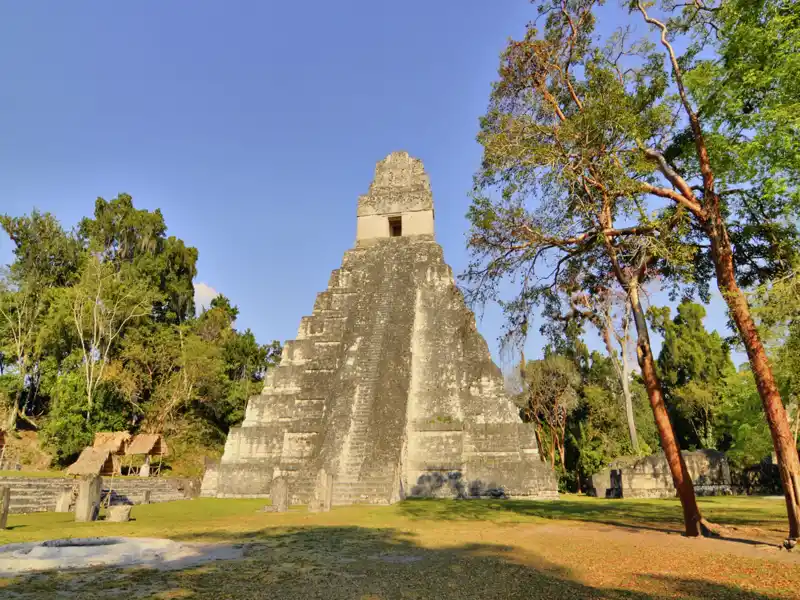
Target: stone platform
x=40, y=494
x=83, y=553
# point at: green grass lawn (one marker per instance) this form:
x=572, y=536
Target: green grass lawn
x=573, y=548
x=32, y=474
x=51, y=474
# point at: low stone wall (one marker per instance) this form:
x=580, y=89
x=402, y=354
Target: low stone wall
x=39, y=494
x=650, y=477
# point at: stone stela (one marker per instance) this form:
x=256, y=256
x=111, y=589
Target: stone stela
x=87, y=506
x=388, y=388
x=5, y=505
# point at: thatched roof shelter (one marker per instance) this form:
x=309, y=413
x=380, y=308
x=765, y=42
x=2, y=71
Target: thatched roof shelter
x=92, y=461
x=113, y=441
x=152, y=444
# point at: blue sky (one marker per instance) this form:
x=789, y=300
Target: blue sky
x=253, y=125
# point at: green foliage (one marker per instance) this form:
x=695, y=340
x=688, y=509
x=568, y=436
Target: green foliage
x=549, y=397
x=44, y=253
x=67, y=430
x=574, y=400
x=124, y=235
x=693, y=364
x=742, y=419
x=98, y=332
x=598, y=433
x=591, y=180
x=741, y=70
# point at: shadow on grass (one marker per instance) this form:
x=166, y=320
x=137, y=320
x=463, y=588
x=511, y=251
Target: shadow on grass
x=658, y=515
x=357, y=563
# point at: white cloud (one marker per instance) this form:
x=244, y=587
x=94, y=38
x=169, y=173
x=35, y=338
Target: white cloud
x=203, y=295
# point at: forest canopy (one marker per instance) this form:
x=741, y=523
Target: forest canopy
x=99, y=332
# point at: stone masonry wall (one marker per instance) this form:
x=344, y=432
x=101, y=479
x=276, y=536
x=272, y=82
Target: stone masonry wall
x=462, y=428
x=650, y=477
x=403, y=395
x=39, y=494
x=388, y=386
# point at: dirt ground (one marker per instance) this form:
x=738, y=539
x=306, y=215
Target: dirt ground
x=575, y=548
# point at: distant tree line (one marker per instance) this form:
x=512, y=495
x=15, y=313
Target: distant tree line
x=98, y=332
x=575, y=401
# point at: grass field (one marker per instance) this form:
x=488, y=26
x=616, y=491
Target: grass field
x=45, y=474
x=51, y=474
x=574, y=548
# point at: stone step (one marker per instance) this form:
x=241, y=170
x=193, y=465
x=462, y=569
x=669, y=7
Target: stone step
x=36, y=494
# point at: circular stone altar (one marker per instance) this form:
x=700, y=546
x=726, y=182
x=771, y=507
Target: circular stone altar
x=81, y=553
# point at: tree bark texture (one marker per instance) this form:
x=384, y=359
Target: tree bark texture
x=782, y=439
x=680, y=474
x=623, y=373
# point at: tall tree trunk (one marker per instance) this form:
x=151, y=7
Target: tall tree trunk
x=623, y=373
x=782, y=439
x=711, y=218
x=13, y=411
x=626, y=393
x=539, y=442
x=561, y=448
x=680, y=475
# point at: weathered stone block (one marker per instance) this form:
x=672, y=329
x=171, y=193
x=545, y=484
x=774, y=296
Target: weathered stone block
x=650, y=477
x=119, y=513
x=5, y=505
x=279, y=493
x=64, y=501
x=87, y=506
x=323, y=492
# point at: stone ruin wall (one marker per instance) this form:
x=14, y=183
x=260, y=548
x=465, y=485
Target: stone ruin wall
x=650, y=477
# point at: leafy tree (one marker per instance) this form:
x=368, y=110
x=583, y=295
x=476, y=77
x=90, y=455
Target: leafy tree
x=742, y=419
x=22, y=308
x=729, y=167
x=599, y=431
x=593, y=126
x=68, y=430
x=98, y=332
x=569, y=145
x=103, y=304
x=693, y=364
x=124, y=235
x=46, y=257
x=44, y=253
x=550, y=396
x=777, y=307
x=602, y=310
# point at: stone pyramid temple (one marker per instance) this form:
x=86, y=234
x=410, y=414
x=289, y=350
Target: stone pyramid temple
x=388, y=387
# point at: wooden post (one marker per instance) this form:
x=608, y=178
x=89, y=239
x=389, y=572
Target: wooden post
x=110, y=489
